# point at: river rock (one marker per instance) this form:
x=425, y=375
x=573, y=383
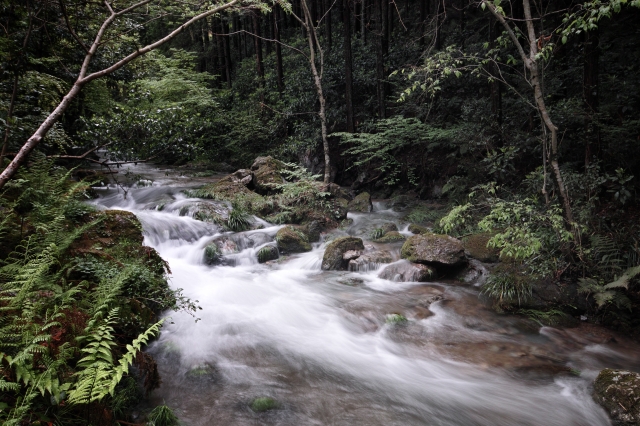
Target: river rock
x=362, y=203
x=339, y=208
x=351, y=254
x=391, y=237
x=337, y=191
x=292, y=240
x=212, y=254
x=267, y=253
x=405, y=271
x=370, y=261
x=267, y=174
x=475, y=247
x=433, y=248
x=332, y=259
x=618, y=391
x=417, y=229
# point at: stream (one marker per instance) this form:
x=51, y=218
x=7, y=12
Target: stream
x=320, y=342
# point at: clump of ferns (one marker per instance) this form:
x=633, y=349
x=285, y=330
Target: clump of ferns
x=239, y=219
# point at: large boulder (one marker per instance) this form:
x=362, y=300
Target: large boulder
x=362, y=203
x=333, y=254
x=212, y=254
x=618, y=391
x=433, y=249
x=292, y=240
x=475, y=247
x=267, y=174
x=405, y=271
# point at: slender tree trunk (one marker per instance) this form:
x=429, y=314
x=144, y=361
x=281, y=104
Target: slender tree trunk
x=364, y=17
x=84, y=78
x=278, y=48
x=327, y=24
x=380, y=49
x=317, y=78
x=348, y=66
x=495, y=86
x=258, y=47
x=357, y=12
x=590, y=87
x=439, y=22
x=424, y=13
x=227, y=51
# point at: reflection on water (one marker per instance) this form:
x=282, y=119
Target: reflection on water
x=320, y=343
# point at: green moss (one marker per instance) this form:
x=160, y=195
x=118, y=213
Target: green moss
x=476, y=246
x=262, y=404
x=292, y=240
x=396, y=319
x=391, y=237
x=417, y=229
x=267, y=253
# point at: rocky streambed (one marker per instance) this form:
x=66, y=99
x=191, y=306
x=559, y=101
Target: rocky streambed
x=352, y=318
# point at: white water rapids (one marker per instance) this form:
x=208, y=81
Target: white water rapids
x=324, y=351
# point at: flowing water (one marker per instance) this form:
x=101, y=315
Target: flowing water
x=320, y=343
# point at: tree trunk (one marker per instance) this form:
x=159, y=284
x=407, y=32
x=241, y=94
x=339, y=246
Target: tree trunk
x=327, y=24
x=590, y=87
x=83, y=79
x=317, y=78
x=258, y=47
x=227, y=52
x=495, y=86
x=278, y=48
x=348, y=66
x=380, y=49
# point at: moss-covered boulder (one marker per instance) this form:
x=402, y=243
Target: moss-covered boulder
x=211, y=212
x=267, y=174
x=417, y=229
x=268, y=253
x=361, y=203
x=212, y=254
x=337, y=191
x=618, y=391
x=292, y=240
x=391, y=237
x=405, y=271
x=475, y=247
x=333, y=255
x=434, y=249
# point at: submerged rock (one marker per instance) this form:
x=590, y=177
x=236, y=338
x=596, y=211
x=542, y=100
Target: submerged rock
x=391, y=237
x=333, y=255
x=370, y=261
x=268, y=253
x=262, y=404
x=618, y=391
x=405, y=271
x=266, y=174
x=434, y=248
x=417, y=229
x=361, y=203
x=339, y=208
x=212, y=254
x=292, y=240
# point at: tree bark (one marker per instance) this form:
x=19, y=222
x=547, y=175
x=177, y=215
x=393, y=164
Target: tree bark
x=495, y=87
x=380, y=12
x=84, y=78
x=257, y=43
x=278, y=48
x=531, y=64
x=590, y=87
x=317, y=78
x=227, y=51
x=348, y=66
x=327, y=24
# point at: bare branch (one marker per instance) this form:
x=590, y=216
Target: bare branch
x=73, y=33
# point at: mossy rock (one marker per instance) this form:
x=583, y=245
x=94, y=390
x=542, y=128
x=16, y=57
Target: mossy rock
x=475, y=247
x=361, y=203
x=618, y=391
x=433, y=248
x=404, y=271
x=268, y=253
x=391, y=237
x=267, y=174
x=339, y=208
x=203, y=373
x=369, y=261
x=417, y=229
x=212, y=254
x=396, y=319
x=333, y=255
x=262, y=404
x=292, y=240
